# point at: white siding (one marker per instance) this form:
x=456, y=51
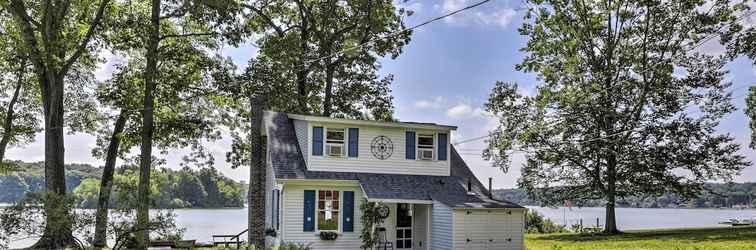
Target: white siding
x=488, y=229
x=302, y=131
x=441, y=227
x=367, y=163
x=292, y=221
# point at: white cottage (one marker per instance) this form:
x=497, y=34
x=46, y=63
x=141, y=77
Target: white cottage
x=320, y=170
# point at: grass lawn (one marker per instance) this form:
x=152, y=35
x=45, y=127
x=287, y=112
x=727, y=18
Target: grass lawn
x=672, y=239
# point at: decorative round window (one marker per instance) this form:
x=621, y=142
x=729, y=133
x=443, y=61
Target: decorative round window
x=382, y=147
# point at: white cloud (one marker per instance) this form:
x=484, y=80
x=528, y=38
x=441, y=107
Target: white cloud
x=459, y=111
x=434, y=103
x=464, y=111
x=483, y=15
x=501, y=17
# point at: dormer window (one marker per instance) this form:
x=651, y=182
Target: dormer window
x=335, y=142
x=425, y=147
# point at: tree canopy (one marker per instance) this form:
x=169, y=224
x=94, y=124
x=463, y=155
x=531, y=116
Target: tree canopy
x=624, y=105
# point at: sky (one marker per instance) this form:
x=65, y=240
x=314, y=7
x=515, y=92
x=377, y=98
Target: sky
x=444, y=76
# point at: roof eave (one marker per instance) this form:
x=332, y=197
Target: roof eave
x=371, y=123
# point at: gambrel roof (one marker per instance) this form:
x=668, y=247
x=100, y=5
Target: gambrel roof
x=287, y=161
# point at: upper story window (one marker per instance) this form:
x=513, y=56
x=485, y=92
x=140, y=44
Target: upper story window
x=425, y=147
x=335, y=142
x=328, y=210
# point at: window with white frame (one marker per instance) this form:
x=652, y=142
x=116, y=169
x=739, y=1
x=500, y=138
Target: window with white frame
x=328, y=210
x=335, y=138
x=425, y=146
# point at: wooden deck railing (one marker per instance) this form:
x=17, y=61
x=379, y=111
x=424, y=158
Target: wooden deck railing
x=229, y=239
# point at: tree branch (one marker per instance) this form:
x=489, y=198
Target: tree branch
x=87, y=37
x=267, y=19
x=188, y=35
x=18, y=9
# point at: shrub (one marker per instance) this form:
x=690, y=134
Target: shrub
x=536, y=223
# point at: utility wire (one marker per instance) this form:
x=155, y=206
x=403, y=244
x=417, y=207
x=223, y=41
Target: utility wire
x=338, y=53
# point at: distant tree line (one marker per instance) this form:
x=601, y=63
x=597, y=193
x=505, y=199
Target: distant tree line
x=719, y=195
x=184, y=188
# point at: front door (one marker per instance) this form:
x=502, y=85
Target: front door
x=403, y=226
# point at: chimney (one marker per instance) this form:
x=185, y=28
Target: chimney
x=490, y=191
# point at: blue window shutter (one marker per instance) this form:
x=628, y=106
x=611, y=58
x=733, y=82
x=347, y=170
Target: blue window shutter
x=354, y=135
x=348, y=214
x=309, y=211
x=442, y=144
x=317, y=140
x=410, y=145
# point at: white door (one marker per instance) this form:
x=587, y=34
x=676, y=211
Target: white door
x=420, y=223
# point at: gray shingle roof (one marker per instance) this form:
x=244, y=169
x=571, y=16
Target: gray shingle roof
x=288, y=163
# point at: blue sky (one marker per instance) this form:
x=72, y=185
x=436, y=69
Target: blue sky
x=444, y=76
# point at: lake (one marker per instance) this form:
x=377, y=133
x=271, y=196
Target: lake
x=200, y=224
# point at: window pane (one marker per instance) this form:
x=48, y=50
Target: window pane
x=399, y=244
x=408, y=233
x=399, y=234
x=335, y=135
x=321, y=204
x=335, y=205
x=425, y=141
x=321, y=195
x=324, y=224
x=336, y=195
x=407, y=243
x=327, y=224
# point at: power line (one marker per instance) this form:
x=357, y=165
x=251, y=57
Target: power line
x=400, y=31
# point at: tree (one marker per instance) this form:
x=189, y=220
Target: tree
x=296, y=39
x=331, y=50
x=19, y=120
x=56, y=36
x=349, y=37
x=624, y=108
x=170, y=41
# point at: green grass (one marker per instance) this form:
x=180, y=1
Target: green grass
x=672, y=239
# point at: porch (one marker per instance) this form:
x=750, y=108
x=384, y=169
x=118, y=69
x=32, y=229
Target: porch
x=407, y=225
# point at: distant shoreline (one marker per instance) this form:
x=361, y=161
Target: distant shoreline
x=686, y=208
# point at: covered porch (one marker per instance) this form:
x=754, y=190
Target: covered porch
x=409, y=203
x=407, y=225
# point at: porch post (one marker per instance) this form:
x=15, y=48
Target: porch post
x=256, y=200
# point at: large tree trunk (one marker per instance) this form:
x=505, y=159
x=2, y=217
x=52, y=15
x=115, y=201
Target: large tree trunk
x=10, y=113
x=106, y=183
x=150, y=74
x=303, y=70
x=256, y=208
x=58, y=232
x=328, y=100
x=611, y=200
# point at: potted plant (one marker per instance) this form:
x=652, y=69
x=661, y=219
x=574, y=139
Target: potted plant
x=328, y=235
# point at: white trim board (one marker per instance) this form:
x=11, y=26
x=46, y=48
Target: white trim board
x=372, y=123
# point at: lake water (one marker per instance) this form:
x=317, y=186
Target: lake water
x=200, y=224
